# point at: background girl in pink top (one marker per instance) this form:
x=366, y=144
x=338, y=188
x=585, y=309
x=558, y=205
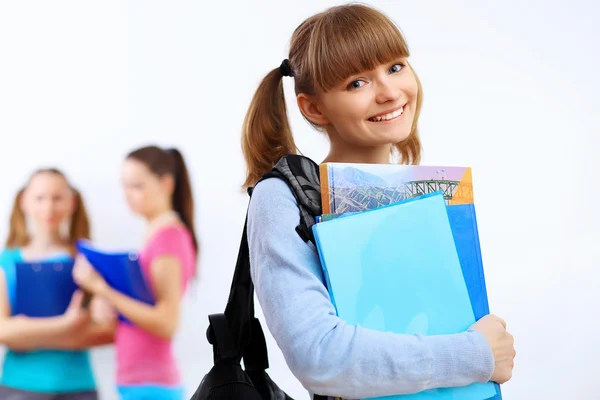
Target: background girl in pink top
x=157, y=187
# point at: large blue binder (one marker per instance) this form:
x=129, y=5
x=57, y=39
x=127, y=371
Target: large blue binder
x=43, y=289
x=121, y=270
x=396, y=269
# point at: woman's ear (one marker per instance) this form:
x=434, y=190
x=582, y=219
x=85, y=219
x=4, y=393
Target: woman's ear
x=168, y=183
x=310, y=109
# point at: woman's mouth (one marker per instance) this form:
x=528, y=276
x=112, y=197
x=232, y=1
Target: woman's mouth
x=388, y=116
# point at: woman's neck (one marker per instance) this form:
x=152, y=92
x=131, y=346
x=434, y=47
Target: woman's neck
x=362, y=155
x=161, y=216
x=160, y=219
x=45, y=243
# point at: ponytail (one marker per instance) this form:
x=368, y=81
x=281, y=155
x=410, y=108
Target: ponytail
x=266, y=133
x=17, y=232
x=183, y=201
x=79, y=227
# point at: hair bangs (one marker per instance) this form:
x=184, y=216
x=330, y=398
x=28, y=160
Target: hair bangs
x=348, y=41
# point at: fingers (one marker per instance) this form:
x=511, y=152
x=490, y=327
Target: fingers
x=79, y=272
x=77, y=295
x=76, y=298
x=498, y=319
x=76, y=274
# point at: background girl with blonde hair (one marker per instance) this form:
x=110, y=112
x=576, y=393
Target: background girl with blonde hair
x=47, y=357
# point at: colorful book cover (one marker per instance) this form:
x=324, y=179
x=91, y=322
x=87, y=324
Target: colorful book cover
x=349, y=187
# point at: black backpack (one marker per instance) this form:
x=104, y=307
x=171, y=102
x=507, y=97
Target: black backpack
x=236, y=334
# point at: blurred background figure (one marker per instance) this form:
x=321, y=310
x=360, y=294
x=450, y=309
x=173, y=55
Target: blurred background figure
x=157, y=187
x=47, y=357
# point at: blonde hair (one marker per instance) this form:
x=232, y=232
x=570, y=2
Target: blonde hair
x=79, y=226
x=325, y=49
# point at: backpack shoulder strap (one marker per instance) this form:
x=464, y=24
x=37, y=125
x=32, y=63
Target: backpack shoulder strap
x=301, y=174
x=247, y=340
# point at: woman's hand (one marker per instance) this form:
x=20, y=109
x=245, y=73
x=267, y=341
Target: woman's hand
x=101, y=310
x=87, y=277
x=502, y=344
x=76, y=316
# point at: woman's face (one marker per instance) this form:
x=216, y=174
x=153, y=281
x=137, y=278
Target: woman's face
x=144, y=190
x=47, y=201
x=370, y=109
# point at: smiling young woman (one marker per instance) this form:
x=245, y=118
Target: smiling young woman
x=354, y=83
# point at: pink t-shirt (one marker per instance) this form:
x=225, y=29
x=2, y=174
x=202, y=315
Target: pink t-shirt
x=142, y=357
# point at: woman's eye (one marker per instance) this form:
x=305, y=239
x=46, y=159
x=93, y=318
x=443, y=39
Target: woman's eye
x=396, y=68
x=356, y=84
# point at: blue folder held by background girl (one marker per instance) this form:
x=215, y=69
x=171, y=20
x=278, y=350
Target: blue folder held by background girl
x=121, y=270
x=43, y=289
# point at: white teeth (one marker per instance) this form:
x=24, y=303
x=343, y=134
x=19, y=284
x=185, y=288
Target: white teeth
x=388, y=116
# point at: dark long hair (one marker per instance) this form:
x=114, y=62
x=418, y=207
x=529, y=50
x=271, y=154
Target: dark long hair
x=170, y=162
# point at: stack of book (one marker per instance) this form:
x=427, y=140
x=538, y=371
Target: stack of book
x=400, y=252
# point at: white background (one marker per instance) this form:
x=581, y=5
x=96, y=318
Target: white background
x=511, y=89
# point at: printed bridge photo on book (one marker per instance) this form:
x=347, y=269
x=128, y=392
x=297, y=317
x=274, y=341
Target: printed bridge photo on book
x=349, y=187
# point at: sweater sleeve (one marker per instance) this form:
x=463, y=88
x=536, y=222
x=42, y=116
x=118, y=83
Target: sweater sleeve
x=327, y=355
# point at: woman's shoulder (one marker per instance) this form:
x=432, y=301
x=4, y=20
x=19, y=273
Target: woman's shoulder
x=272, y=196
x=273, y=216
x=172, y=230
x=9, y=255
x=172, y=237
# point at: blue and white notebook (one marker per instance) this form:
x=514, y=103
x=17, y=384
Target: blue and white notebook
x=121, y=270
x=396, y=269
x=44, y=289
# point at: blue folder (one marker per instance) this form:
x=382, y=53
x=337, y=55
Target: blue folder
x=396, y=269
x=121, y=270
x=463, y=222
x=43, y=289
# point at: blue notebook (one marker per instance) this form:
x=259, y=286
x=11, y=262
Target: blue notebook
x=463, y=222
x=121, y=271
x=44, y=289
x=396, y=269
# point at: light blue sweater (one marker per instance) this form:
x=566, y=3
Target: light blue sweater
x=327, y=355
